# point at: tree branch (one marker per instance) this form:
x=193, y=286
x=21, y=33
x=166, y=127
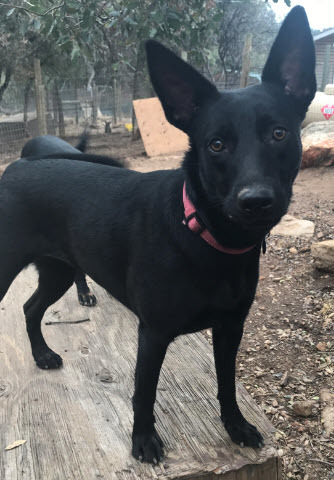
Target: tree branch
x=24, y=9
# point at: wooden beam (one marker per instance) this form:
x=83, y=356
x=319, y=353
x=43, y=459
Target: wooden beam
x=246, y=60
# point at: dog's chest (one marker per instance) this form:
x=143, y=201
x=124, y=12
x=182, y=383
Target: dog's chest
x=224, y=296
x=228, y=292
x=217, y=301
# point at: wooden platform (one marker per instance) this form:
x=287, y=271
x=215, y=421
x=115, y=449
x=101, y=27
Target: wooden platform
x=77, y=421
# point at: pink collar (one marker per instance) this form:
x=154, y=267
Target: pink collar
x=192, y=221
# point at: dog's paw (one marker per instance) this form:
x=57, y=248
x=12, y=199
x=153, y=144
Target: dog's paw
x=147, y=447
x=87, y=299
x=47, y=359
x=244, y=434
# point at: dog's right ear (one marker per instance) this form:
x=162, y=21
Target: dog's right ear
x=181, y=89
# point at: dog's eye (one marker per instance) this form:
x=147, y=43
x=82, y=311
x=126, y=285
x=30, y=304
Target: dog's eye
x=279, y=134
x=216, y=145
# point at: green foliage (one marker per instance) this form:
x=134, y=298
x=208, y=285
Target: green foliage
x=75, y=37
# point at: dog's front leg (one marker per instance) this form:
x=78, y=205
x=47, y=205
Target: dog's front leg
x=226, y=340
x=146, y=443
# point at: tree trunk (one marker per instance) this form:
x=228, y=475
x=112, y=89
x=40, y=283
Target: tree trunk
x=27, y=88
x=95, y=104
x=5, y=84
x=135, y=87
x=114, y=101
x=40, y=98
x=55, y=108
x=61, y=121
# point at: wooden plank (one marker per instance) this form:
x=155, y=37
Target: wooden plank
x=159, y=136
x=269, y=470
x=77, y=420
x=246, y=60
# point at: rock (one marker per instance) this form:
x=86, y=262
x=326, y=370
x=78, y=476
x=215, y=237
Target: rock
x=293, y=250
x=321, y=346
x=303, y=408
x=323, y=255
x=327, y=413
x=318, y=144
x=291, y=226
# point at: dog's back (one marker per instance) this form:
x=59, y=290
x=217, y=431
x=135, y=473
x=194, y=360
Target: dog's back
x=48, y=145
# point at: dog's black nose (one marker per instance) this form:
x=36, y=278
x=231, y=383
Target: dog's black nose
x=256, y=199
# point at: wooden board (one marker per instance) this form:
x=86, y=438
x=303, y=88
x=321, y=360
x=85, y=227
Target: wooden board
x=77, y=420
x=159, y=136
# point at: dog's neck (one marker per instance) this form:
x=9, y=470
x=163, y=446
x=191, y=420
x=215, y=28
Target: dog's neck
x=225, y=231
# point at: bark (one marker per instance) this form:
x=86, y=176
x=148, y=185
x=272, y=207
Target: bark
x=27, y=89
x=5, y=84
x=135, y=87
x=61, y=121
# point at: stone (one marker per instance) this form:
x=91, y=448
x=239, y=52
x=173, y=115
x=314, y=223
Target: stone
x=303, y=408
x=321, y=346
x=293, y=227
x=318, y=144
x=323, y=255
x=327, y=411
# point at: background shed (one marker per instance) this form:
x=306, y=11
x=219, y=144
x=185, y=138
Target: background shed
x=324, y=49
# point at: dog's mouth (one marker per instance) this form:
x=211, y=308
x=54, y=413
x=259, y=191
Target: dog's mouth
x=255, y=223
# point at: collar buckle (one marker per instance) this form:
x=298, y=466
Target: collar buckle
x=196, y=227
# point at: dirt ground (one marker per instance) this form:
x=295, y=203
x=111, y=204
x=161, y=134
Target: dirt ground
x=287, y=353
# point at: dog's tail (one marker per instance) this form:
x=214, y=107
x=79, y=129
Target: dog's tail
x=83, y=142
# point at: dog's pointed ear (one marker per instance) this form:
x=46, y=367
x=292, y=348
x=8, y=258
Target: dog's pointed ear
x=181, y=89
x=291, y=62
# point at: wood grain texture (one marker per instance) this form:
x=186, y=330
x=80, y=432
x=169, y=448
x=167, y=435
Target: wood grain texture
x=77, y=421
x=159, y=136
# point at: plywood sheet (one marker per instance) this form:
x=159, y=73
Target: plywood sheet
x=159, y=136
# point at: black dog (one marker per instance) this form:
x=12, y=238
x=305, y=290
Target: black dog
x=128, y=231
x=48, y=145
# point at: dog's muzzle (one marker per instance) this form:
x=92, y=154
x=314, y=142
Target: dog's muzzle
x=257, y=201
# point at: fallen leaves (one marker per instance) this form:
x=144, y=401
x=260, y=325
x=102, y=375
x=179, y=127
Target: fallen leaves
x=321, y=346
x=15, y=444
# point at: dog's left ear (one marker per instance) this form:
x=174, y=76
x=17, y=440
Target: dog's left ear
x=181, y=89
x=291, y=62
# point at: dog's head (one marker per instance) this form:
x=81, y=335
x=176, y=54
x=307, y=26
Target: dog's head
x=245, y=144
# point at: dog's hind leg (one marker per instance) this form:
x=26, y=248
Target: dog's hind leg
x=55, y=278
x=85, y=296
x=12, y=261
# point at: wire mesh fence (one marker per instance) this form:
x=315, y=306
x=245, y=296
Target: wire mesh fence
x=70, y=109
